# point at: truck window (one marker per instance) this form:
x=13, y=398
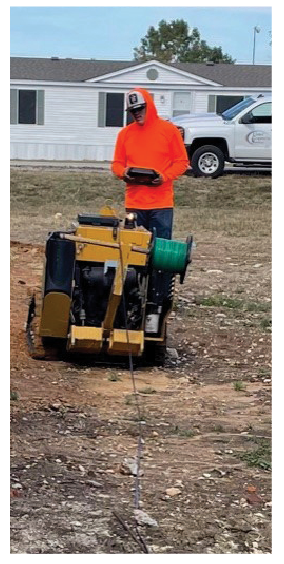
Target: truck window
x=262, y=114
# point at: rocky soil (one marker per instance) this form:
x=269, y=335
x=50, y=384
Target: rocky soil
x=205, y=473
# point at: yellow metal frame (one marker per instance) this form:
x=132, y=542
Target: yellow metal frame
x=126, y=247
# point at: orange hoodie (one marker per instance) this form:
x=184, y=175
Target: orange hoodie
x=156, y=144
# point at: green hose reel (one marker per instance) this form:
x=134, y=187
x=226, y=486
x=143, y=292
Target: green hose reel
x=171, y=256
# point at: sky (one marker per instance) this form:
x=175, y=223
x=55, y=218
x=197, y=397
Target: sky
x=113, y=31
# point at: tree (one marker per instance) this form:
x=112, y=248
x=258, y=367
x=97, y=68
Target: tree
x=175, y=42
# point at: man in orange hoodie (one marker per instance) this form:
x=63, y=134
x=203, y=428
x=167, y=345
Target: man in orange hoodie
x=152, y=143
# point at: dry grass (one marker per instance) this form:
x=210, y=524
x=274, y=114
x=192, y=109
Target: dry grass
x=233, y=205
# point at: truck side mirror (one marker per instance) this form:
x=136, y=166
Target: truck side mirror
x=247, y=118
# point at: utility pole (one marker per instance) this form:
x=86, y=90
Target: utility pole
x=256, y=29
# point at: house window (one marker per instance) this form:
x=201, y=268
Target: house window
x=181, y=103
x=114, y=109
x=26, y=106
x=111, y=112
x=218, y=104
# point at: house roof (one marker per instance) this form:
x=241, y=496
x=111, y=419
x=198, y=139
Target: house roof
x=78, y=70
x=230, y=74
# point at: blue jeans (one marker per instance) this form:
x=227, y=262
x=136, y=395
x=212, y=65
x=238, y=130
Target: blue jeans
x=161, y=219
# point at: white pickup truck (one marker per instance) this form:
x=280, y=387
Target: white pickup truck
x=242, y=134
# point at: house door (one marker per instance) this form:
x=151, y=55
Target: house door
x=181, y=103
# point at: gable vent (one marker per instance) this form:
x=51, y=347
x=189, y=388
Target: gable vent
x=152, y=74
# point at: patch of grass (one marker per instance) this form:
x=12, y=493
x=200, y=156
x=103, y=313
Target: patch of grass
x=36, y=197
x=239, y=290
x=143, y=417
x=220, y=301
x=183, y=432
x=62, y=188
x=257, y=306
x=266, y=323
x=218, y=429
x=129, y=400
x=239, y=386
x=187, y=433
x=14, y=396
x=216, y=194
x=147, y=390
x=259, y=457
x=112, y=377
x=232, y=205
x=190, y=311
x=264, y=371
x=232, y=303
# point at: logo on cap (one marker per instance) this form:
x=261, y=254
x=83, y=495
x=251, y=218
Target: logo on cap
x=135, y=101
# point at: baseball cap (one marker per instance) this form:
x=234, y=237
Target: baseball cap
x=134, y=101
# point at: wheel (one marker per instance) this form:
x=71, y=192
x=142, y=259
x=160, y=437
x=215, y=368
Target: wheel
x=208, y=161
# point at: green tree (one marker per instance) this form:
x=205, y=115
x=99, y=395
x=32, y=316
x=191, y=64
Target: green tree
x=176, y=42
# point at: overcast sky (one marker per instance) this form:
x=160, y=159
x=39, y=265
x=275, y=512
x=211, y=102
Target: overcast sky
x=112, y=32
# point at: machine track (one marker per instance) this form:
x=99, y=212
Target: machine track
x=39, y=348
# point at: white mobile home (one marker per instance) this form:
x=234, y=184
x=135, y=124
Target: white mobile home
x=73, y=109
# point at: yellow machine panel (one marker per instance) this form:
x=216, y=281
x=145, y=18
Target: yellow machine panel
x=122, y=341
x=139, y=237
x=55, y=315
x=85, y=339
x=90, y=252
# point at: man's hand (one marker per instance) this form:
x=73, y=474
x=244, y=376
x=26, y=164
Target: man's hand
x=158, y=181
x=125, y=177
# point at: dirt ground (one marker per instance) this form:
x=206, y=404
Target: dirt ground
x=206, y=426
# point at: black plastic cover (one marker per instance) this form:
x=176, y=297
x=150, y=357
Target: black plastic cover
x=93, y=219
x=60, y=262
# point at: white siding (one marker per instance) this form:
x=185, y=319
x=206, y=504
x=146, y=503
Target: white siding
x=139, y=76
x=200, y=102
x=70, y=130
x=163, y=102
x=71, y=114
x=60, y=152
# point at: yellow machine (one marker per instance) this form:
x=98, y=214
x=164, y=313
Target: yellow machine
x=107, y=289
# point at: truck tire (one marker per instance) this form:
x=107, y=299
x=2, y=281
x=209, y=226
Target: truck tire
x=208, y=161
